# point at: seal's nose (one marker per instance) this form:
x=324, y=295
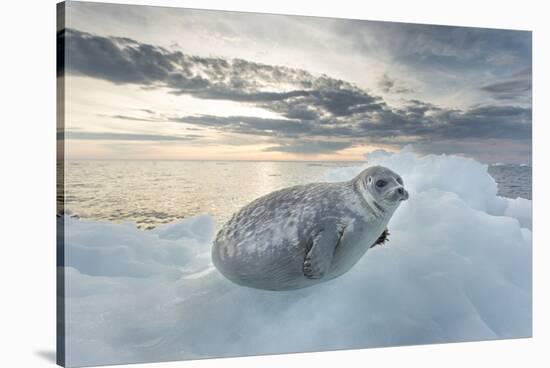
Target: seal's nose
x=403, y=193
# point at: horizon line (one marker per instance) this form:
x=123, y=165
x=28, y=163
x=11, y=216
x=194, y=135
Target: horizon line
x=207, y=159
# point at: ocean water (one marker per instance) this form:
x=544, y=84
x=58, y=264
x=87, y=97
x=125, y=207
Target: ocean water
x=513, y=180
x=151, y=193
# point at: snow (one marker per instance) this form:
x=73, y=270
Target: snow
x=457, y=268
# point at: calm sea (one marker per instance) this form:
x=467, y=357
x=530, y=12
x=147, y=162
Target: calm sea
x=513, y=180
x=151, y=193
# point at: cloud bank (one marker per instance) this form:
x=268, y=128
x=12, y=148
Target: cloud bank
x=308, y=105
x=517, y=86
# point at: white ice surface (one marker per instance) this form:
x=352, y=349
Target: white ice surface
x=457, y=268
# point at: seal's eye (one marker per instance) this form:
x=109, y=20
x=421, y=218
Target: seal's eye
x=400, y=181
x=381, y=183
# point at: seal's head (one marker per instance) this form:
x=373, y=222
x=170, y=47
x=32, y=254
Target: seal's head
x=381, y=187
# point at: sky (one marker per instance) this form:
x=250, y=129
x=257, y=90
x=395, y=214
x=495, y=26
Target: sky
x=144, y=82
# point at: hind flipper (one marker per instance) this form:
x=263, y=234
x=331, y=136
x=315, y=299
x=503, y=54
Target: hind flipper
x=383, y=238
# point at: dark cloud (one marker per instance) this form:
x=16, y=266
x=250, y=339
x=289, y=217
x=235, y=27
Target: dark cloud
x=252, y=125
x=310, y=106
x=121, y=60
x=132, y=118
x=389, y=85
x=441, y=48
x=425, y=124
x=310, y=147
x=418, y=122
x=122, y=136
x=488, y=150
x=148, y=111
x=517, y=86
x=511, y=122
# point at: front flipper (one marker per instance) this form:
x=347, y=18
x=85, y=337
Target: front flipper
x=319, y=256
x=384, y=237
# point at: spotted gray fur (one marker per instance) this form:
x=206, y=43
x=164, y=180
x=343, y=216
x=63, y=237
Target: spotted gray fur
x=303, y=235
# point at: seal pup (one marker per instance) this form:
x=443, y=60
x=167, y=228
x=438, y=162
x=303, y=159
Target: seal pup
x=303, y=235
